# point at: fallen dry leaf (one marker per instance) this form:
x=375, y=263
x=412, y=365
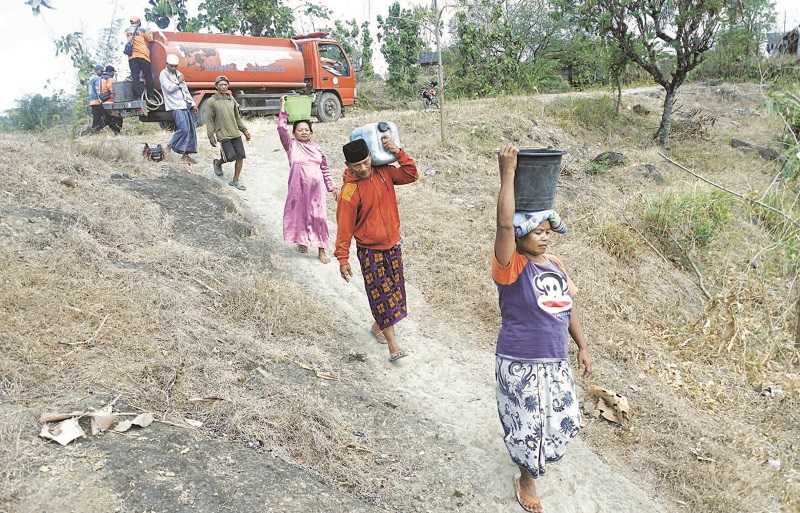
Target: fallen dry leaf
x=102, y=419
x=141, y=420
x=613, y=407
x=64, y=432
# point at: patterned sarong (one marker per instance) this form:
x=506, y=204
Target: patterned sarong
x=384, y=283
x=538, y=409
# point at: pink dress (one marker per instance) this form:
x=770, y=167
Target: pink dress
x=305, y=219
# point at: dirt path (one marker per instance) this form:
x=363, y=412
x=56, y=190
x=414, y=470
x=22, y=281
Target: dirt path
x=444, y=380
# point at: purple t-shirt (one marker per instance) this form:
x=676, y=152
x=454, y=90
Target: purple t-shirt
x=535, y=305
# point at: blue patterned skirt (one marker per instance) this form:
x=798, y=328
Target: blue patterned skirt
x=539, y=411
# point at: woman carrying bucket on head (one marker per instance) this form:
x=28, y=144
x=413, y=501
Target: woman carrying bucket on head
x=305, y=219
x=536, y=397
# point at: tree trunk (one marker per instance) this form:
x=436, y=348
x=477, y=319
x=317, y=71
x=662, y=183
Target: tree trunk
x=619, y=94
x=666, y=117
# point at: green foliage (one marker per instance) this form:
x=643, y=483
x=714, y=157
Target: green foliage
x=786, y=104
x=169, y=9
x=598, y=114
x=264, y=18
x=367, y=70
x=346, y=33
x=500, y=46
x=693, y=220
x=401, y=45
x=38, y=112
x=315, y=13
x=737, y=52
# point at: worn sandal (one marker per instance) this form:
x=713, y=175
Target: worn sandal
x=536, y=509
x=237, y=185
x=380, y=338
x=397, y=356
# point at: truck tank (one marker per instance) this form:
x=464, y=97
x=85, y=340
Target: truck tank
x=247, y=61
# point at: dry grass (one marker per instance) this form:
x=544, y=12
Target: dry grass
x=179, y=320
x=693, y=382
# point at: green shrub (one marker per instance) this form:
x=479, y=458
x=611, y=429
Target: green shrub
x=692, y=220
x=594, y=113
x=37, y=112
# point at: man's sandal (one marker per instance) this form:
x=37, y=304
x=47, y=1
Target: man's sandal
x=396, y=356
x=535, y=509
x=237, y=185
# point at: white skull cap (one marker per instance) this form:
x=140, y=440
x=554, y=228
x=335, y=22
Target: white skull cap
x=173, y=59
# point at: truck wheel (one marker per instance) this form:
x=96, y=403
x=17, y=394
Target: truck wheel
x=167, y=125
x=329, y=108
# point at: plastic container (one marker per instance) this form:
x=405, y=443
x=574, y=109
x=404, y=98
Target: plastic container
x=536, y=179
x=372, y=133
x=298, y=107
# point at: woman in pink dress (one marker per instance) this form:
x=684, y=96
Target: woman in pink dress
x=305, y=218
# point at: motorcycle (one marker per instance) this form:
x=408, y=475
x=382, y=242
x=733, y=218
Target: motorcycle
x=429, y=98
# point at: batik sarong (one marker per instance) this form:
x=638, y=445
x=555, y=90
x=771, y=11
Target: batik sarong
x=538, y=409
x=384, y=283
x=184, y=140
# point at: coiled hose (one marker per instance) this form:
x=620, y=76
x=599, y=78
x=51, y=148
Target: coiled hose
x=154, y=103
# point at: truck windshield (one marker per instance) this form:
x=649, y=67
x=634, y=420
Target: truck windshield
x=333, y=59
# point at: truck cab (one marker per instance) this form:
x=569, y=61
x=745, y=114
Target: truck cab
x=330, y=73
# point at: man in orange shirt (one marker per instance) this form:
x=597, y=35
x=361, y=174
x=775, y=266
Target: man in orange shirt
x=139, y=56
x=367, y=210
x=106, y=94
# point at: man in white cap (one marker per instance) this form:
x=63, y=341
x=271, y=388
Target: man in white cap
x=179, y=102
x=138, y=53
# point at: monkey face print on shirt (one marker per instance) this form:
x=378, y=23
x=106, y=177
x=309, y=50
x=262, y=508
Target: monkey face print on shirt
x=552, y=294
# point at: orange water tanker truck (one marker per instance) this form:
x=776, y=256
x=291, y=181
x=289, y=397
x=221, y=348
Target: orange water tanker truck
x=260, y=69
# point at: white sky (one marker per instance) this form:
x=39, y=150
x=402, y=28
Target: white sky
x=29, y=51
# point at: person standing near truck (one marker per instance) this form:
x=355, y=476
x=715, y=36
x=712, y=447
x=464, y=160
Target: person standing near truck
x=367, y=211
x=138, y=53
x=305, y=220
x=107, y=96
x=179, y=102
x=224, y=125
x=95, y=103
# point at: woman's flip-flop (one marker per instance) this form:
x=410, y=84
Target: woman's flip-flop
x=397, y=356
x=536, y=509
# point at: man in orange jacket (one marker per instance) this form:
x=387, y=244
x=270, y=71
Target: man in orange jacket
x=367, y=210
x=139, y=58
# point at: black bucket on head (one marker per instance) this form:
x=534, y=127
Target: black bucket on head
x=536, y=179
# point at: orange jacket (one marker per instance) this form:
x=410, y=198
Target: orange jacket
x=107, y=87
x=367, y=208
x=141, y=50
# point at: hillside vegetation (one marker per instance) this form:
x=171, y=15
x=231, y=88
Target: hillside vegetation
x=146, y=281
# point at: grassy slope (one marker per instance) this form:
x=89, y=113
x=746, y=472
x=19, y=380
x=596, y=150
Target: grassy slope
x=692, y=368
